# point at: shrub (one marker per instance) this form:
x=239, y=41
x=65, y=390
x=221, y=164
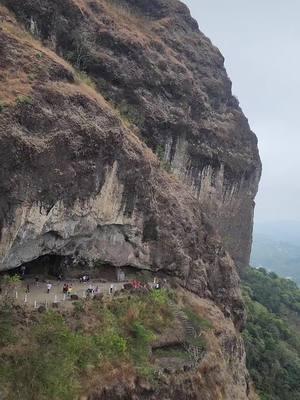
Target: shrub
x=132, y=114
x=39, y=56
x=24, y=100
x=2, y=106
x=83, y=77
x=111, y=345
x=9, y=285
x=159, y=296
x=164, y=164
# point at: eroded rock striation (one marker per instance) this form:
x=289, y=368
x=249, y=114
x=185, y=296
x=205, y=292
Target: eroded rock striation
x=121, y=143
x=165, y=77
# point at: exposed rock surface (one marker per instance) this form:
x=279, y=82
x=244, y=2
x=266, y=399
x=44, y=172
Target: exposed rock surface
x=221, y=373
x=80, y=172
x=150, y=60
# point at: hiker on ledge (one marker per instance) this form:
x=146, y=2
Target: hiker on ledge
x=49, y=287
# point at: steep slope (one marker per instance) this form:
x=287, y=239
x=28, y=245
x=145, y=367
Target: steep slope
x=127, y=347
x=134, y=162
x=75, y=181
x=153, y=64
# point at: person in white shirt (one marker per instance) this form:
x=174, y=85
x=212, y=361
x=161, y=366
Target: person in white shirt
x=49, y=287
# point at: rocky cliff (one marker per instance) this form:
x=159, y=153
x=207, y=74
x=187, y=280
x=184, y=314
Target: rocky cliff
x=121, y=143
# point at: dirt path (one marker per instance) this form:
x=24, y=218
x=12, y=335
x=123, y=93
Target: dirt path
x=38, y=292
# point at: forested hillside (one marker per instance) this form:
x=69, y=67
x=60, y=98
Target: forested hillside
x=272, y=334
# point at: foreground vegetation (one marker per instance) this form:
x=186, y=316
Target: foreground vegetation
x=272, y=335
x=56, y=355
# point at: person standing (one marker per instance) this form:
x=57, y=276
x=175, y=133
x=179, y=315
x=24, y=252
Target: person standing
x=111, y=289
x=70, y=288
x=49, y=287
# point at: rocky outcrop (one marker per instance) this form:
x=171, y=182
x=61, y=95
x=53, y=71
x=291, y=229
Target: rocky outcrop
x=220, y=375
x=133, y=152
x=77, y=181
x=169, y=82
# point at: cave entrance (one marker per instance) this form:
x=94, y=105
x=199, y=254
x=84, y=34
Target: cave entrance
x=50, y=265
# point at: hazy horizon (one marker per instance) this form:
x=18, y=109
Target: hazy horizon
x=259, y=42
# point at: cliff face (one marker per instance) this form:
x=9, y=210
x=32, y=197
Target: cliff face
x=165, y=77
x=132, y=153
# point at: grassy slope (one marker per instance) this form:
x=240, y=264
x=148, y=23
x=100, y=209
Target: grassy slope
x=60, y=356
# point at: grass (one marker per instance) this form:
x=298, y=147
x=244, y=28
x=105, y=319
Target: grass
x=51, y=359
x=56, y=356
x=7, y=335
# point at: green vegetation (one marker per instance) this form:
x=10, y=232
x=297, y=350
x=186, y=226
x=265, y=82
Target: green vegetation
x=3, y=106
x=272, y=336
x=55, y=354
x=39, y=55
x=6, y=326
x=160, y=152
x=83, y=77
x=10, y=284
x=24, y=100
x=277, y=294
x=196, y=321
x=131, y=114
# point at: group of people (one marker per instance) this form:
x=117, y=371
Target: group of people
x=67, y=289
x=84, y=278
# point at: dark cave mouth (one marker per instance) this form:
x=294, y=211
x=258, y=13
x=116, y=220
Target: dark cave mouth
x=57, y=266
x=52, y=265
x=67, y=267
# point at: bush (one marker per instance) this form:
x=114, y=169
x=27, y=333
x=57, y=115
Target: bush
x=132, y=114
x=9, y=285
x=111, y=345
x=83, y=77
x=160, y=152
x=24, y=100
x=2, y=106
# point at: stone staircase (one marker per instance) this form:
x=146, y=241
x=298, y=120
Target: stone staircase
x=192, y=343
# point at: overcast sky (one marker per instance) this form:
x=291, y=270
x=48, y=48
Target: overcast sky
x=260, y=40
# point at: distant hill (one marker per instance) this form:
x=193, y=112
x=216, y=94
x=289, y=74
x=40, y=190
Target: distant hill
x=280, y=231
x=276, y=246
